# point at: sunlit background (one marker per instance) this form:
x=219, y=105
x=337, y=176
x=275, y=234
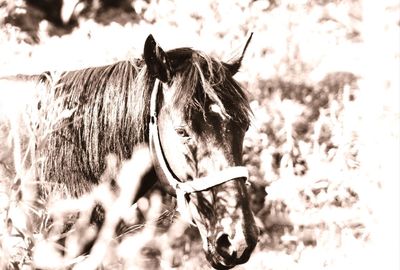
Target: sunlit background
x=322, y=151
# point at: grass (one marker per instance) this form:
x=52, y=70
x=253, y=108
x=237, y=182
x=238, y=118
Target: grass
x=323, y=79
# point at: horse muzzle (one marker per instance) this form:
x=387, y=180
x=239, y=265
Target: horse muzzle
x=228, y=257
x=226, y=251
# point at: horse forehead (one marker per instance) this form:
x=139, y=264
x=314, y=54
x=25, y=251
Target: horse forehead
x=218, y=110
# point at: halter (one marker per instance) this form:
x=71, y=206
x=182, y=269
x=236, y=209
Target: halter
x=165, y=173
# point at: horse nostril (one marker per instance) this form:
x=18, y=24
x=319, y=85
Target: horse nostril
x=224, y=246
x=223, y=241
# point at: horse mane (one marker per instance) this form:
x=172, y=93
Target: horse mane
x=108, y=115
x=109, y=111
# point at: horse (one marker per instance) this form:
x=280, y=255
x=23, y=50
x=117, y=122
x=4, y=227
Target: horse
x=185, y=106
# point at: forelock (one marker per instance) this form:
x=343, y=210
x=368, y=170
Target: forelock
x=201, y=80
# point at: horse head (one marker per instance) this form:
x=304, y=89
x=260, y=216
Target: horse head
x=198, y=118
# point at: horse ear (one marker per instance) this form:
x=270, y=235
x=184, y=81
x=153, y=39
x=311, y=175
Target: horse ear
x=157, y=60
x=234, y=64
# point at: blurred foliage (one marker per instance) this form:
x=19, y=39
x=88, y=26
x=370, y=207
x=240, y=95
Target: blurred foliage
x=323, y=123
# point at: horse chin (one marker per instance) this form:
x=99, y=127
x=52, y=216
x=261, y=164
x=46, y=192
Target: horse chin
x=221, y=266
x=218, y=262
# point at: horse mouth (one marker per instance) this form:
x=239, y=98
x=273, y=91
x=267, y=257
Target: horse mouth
x=220, y=263
x=223, y=264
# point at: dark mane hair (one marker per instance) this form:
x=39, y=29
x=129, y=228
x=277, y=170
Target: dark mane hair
x=109, y=108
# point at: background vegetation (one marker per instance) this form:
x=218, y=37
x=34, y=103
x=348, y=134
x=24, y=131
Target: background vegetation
x=323, y=77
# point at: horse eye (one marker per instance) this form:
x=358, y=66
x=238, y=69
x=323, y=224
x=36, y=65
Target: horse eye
x=181, y=131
